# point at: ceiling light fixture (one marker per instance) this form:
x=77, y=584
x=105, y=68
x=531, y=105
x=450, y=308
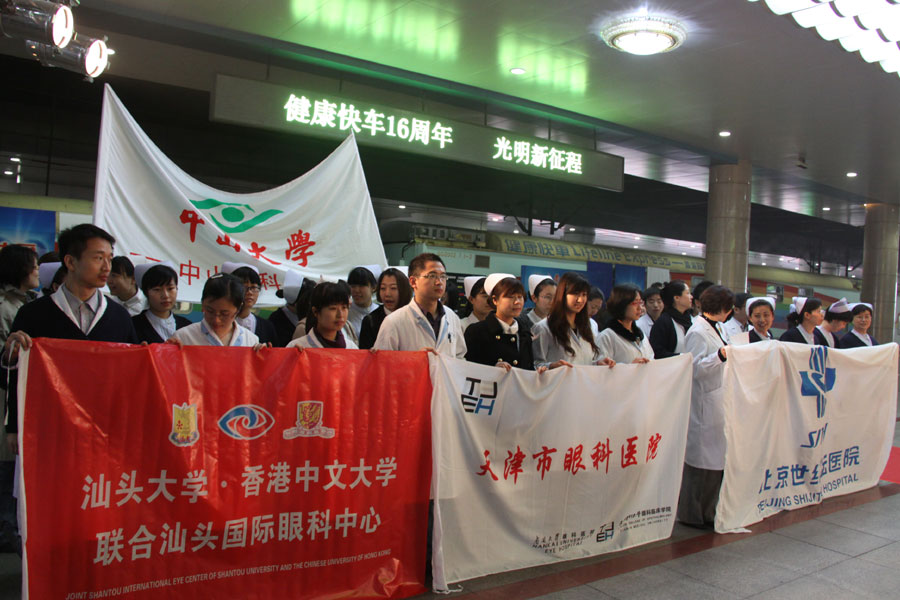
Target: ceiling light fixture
x=643, y=34
x=851, y=174
x=515, y=231
x=517, y=71
x=46, y=22
x=401, y=206
x=15, y=159
x=764, y=264
x=826, y=208
x=571, y=229
x=84, y=55
x=724, y=133
x=7, y=172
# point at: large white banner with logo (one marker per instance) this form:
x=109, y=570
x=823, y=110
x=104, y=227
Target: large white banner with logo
x=803, y=423
x=320, y=224
x=534, y=469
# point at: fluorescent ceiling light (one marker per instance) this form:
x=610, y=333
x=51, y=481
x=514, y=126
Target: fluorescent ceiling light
x=826, y=208
x=724, y=133
x=7, y=172
x=851, y=174
x=643, y=35
x=517, y=71
x=15, y=159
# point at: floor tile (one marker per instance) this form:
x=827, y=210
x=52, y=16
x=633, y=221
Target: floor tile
x=786, y=552
x=722, y=568
x=581, y=592
x=886, y=556
x=880, y=524
x=807, y=587
x=833, y=537
x=680, y=588
x=863, y=577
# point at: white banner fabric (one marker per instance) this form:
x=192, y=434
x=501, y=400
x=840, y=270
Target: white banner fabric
x=320, y=224
x=803, y=423
x=534, y=469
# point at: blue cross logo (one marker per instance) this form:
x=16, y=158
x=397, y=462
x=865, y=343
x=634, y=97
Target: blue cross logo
x=819, y=379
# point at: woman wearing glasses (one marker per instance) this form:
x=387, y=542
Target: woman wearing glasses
x=622, y=340
x=222, y=298
x=804, y=317
x=249, y=277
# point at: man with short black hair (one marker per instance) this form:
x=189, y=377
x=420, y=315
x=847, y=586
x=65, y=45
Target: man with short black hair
x=424, y=323
x=76, y=311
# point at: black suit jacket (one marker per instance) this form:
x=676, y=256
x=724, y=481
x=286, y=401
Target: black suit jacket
x=368, y=331
x=794, y=335
x=145, y=331
x=486, y=344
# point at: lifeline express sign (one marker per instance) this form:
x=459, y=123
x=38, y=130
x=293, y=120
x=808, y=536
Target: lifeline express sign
x=303, y=111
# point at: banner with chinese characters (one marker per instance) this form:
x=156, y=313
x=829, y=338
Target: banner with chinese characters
x=803, y=423
x=159, y=472
x=534, y=469
x=320, y=224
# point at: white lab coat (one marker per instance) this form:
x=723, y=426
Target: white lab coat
x=614, y=346
x=646, y=324
x=533, y=317
x=547, y=351
x=407, y=329
x=732, y=327
x=311, y=341
x=198, y=334
x=706, y=429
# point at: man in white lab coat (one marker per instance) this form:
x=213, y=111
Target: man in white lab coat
x=424, y=323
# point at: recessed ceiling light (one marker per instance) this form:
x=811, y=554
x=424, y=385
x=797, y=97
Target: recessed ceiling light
x=7, y=172
x=402, y=206
x=517, y=71
x=15, y=159
x=826, y=208
x=851, y=174
x=796, y=268
x=781, y=258
x=724, y=133
x=515, y=231
x=643, y=35
x=571, y=229
x=853, y=277
x=693, y=245
x=496, y=219
x=635, y=246
x=684, y=253
x=764, y=264
x=637, y=237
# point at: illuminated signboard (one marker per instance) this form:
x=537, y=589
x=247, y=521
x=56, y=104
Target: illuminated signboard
x=271, y=106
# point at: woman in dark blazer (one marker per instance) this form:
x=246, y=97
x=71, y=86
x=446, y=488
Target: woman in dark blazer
x=157, y=323
x=503, y=339
x=806, y=314
x=393, y=291
x=862, y=321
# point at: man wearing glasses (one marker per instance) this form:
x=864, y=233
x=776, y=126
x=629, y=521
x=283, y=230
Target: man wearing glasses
x=424, y=324
x=249, y=276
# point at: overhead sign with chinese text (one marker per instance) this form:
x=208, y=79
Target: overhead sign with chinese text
x=226, y=474
x=535, y=469
x=271, y=106
x=158, y=212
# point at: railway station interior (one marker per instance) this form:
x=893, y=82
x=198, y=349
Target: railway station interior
x=760, y=152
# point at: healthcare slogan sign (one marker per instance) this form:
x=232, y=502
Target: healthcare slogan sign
x=533, y=469
x=166, y=472
x=803, y=423
x=158, y=212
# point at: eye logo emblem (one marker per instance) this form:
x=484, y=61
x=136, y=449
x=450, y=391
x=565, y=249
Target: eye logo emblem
x=233, y=217
x=246, y=422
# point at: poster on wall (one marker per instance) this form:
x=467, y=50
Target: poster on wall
x=28, y=227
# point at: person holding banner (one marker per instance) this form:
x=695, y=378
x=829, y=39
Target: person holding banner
x=329, y=307
x=565, y=337
x=761, y=311
x=393, y=292
x=159, y=283
x=622, y=340
x=542, y=288
x=502, y=339
x=704, y=457
x=862, y=320
x=249, y=277
x=221, y=300
x=76, y=311
x=424, y=323
x=804, y=316
x=668, y=331
x=836, y=318
x=124, y=288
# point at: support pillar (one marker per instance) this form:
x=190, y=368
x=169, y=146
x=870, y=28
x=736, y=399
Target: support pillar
x=881, y=246
x=728, y=225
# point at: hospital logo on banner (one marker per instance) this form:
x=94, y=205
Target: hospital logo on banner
x=819, y=379
x=246, y=422
x=479, y=396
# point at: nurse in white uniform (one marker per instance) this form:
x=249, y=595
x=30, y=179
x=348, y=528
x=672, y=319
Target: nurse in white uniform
x=704, y=458
x=862, y=321
x=542, y=288
x=836, y=318
x=329, y=307
x=221, y=300
x=622, y=340
x=478, y=300
x=424, y=324
x=565, y=336
x=761, y=311
x=653, y=307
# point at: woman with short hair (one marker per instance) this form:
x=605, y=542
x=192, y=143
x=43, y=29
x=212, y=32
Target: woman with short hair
x=862, y=320
x=502, y=339
x=668, y=331
x=329, y=307
x=158, y=322
x=836, y=318
x=249, y=276
x=221, y=300
x=805, y=314
x=761, y=312
x=622, y=340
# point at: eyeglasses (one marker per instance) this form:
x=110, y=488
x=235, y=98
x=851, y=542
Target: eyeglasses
x=637, y=302
x=435, y=276
x=218, y=314
x=253, y=289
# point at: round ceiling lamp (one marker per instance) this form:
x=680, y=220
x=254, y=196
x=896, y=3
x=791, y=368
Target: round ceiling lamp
x=643, y=35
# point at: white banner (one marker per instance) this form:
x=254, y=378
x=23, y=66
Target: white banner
x=803, y=423
x=320, y=224
x=533, y=469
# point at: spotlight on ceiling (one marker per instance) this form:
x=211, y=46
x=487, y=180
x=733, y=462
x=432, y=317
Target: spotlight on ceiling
x=84, y=55
x=643, y=34
x=46, y=22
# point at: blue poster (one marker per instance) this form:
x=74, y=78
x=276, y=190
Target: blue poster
x=33, y=228
x=630, y=274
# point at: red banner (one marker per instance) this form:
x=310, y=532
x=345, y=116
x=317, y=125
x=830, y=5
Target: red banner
x=158, y=472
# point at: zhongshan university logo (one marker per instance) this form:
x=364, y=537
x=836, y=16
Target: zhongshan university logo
x=233, y=217
x=819, y=380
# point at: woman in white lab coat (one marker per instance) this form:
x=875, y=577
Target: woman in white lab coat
x=221, y=300
x=704, y=458
x=622, y=340
x=565, y=336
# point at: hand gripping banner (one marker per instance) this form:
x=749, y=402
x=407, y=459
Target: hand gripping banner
x=320, y=224
x=159, y=472
x=534, y=469
x=803, y=423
